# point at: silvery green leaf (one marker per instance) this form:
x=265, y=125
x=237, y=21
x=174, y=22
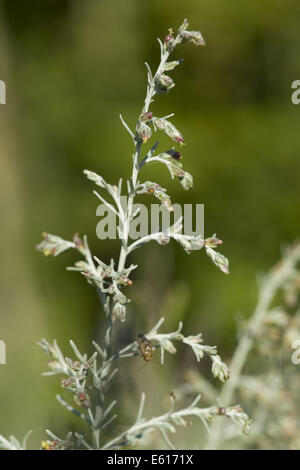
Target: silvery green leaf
x=97, y=179
x=171, y=65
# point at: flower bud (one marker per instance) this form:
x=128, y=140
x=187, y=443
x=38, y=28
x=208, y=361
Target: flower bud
x=146, y=117
x=168, y=346
x=125, y=281
x=172, y=132
x=219, y=260
x=186, y=181
x=169, y=36
x=143, y=132
x=82, y=399
x=184, y=26
x=69, y=383
x=50, y=445
x=174, y=154
x=160, y=124
x=119, y=311
x=79, y=243
x=159, y=192
x=74, y=365
x=213, y=242
x=163, y=83
x=169, y=40
x=176, y=170
x=219, y=368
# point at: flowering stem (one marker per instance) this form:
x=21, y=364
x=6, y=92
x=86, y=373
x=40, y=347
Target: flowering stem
x=163, y=422
x=109, y=281
x=138, y=146
x=275, y=279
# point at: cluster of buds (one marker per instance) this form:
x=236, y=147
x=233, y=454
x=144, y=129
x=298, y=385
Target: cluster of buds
x=184, y=35
x=73, y=365
x=195, y=37
x=219, y=368
x=237, y=414
x=171, y=159
x=163, y=84
x=57, y=444
x=75, y=370
x=54, y=245
x=51, y=445
x=119, y=309
x=175, y=169
x=165, y=341
x=69, y=383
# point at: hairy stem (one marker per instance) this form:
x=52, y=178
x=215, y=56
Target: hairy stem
x=135, y=168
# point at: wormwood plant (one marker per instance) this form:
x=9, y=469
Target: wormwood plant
x=271, y=390
x=265, y=365
x=87, y=379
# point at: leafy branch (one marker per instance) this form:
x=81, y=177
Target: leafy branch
x=88, y=378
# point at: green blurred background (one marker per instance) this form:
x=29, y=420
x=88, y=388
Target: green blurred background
x=71, y=67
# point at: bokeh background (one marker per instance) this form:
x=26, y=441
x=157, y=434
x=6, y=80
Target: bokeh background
x=71, y=67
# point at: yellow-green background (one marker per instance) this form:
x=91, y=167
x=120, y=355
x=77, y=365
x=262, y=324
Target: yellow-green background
x=70, y=68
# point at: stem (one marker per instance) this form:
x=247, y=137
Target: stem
x=135, y=168
x=157, y=422
x=127, y=215
x=96, y=438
